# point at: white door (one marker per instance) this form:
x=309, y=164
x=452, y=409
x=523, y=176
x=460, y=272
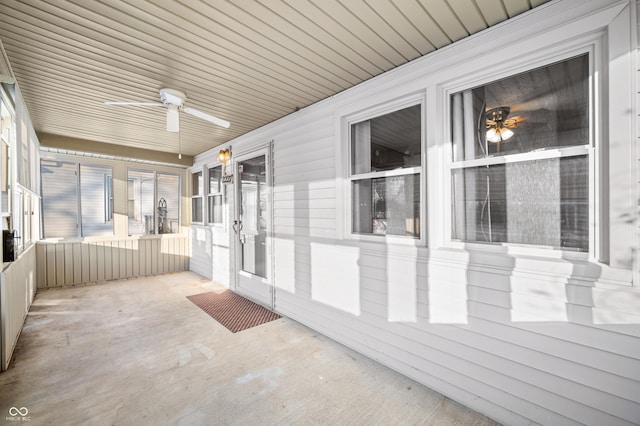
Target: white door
x=252, y=226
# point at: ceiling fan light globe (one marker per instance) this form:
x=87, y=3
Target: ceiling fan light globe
x=493, y=135
x=506, y=134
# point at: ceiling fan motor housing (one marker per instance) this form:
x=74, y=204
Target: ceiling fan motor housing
x=172, y=97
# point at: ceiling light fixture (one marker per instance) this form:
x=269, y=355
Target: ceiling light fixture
x=498, y=125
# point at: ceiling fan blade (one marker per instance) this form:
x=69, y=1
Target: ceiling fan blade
x=173, y=118
x=204, y=116
x=134, y=103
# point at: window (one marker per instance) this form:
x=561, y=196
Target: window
x=214, y=195
x=385, y=173
x=196, y=199
x=18, y=213
x=168, y=203
x=59, y=199
x=6, y=130
x=153, y=202
x=76, y=199
x=95, y=203
x=521, y=147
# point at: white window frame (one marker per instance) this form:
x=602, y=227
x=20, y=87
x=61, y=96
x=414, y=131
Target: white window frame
x=137, y=201
x=196, y=196
x=346, y=120
x=108, y=198
x=593, y=46
x=18, y=218
x=210, y=194
x=8, y=141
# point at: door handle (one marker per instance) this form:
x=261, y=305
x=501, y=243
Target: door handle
x=237, y=226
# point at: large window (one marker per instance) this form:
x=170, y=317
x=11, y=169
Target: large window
x=153, y=202
x=214, y=195
x=76, y=199
x=6, y=131
x=197, y=184
x=385, y=173
x=521, y=147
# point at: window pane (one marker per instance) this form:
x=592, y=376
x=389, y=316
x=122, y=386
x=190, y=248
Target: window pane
x=391, y=141
x=27, y=232
x=542, y=202
x=168, y=203
x=215, y=209
x=215, y=175
x=197, y=183
x=95, y=191
x=4, y=171
x=141, y=202
x=387, y=206
x=59, y=199
x=18, y=212
x=6, y=122
x=543, y=108
x=196, y=209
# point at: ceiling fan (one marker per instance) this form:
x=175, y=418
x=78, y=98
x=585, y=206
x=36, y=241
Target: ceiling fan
x=174, y=101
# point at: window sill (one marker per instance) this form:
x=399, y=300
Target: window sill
x=386, y=239
x=506, y=259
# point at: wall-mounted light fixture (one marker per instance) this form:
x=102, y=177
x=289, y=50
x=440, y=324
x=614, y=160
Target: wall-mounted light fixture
x=224, y=155
x=498, y=126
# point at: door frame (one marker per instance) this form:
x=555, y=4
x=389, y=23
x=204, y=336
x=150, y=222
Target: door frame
x=253, y=151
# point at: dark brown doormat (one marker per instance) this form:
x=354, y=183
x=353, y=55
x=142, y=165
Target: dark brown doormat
x=233, y=311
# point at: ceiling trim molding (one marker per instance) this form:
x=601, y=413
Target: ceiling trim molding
x=58, y=142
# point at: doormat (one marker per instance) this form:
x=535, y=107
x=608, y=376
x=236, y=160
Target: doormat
x=233, y=311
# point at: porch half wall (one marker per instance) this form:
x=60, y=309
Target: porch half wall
x=62, y=264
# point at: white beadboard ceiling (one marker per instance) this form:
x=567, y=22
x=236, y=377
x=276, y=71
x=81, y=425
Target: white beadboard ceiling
x=247, y=61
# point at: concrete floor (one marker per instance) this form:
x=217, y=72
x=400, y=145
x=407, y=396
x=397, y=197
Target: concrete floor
x=137, y=352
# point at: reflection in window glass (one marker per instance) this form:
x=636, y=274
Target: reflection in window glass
x=215, y=208
x=215, y=178
x=196, y=209
x=196, y=199
x=509, y=203
x=253, y=215
x=388, y=149
x=391, y=141
x=215, y=196
x=146, y=208
x=6, y=125
x=387, y=206
x=5, y=173
x=168, y=208
x=141, y=204
x=197, y=183
x=530, y=199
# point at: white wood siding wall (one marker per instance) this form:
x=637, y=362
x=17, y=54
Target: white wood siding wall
x=210, y=251
x=69, y=263
x=637, y=142
x=201, y=261
x=523, y=338
x=17, y=290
